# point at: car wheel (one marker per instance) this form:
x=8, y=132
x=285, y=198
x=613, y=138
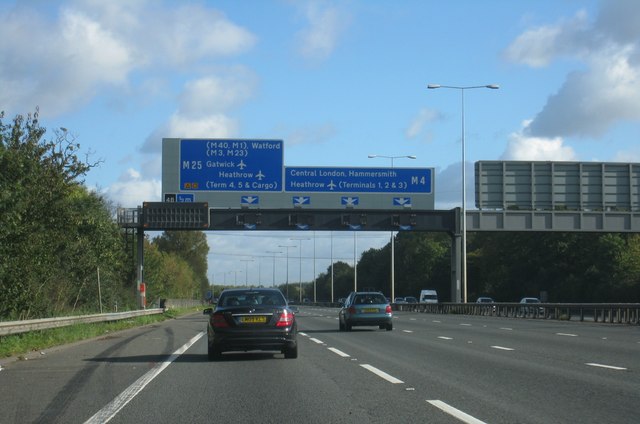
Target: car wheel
x=347, y=326
x=291, y=352
x=340, y=326
x=389, y=327
x=213, y=353
x=381, y=326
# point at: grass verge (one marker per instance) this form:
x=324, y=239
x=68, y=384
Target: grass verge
x=21, y=344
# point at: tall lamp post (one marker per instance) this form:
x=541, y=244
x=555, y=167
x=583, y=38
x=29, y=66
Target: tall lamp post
x=273, y=280
x=464, y=179
x=393, y=253
x=246, y=270
x=287, y=246
x=300, y=239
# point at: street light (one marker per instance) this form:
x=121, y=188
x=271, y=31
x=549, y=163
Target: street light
x=300, y=239
x=273, y=280
x=246, y=270
x=464, y=179
x=393, y=254
x=287, y=246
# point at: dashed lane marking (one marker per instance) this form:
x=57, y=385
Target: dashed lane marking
x=381, y=374
x=462, y=416
x=610, y=367
x=339, y=352
x=502, y=348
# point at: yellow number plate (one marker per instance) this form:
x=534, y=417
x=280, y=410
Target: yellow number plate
x=253, y=320
x=369, y=310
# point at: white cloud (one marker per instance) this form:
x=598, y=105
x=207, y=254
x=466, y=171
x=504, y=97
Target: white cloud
x=606, y=90
x=132, y=189
x=417, y=125
x=326, y=26
x=523, y=147
x=59, y=62
x=215, y=94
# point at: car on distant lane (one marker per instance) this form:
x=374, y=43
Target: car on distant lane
x=251, y=319
x=365, y=309
x=411, y=299
x=530, y=310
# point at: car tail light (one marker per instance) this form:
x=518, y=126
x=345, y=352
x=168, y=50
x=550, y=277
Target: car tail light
x=285, y=319
x=218, y=321
x=352, y=310
x=388, y=309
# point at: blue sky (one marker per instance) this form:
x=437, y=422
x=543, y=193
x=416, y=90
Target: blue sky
x=336, y=80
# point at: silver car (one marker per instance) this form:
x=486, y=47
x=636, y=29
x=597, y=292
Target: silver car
x=365, y=308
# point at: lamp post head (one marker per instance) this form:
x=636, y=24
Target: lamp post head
x=493, y=86
x=372, y=156
x=433, y=86
x=411, y=157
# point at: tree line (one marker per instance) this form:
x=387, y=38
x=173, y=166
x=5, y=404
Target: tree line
x=564, y=267
x=61, y=250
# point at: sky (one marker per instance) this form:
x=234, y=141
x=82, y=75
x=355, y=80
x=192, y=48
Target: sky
x=336, y=81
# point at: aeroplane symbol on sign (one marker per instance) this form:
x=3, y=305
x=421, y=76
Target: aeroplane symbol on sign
x=260, y=175
x=242, y=165
x=332, y=185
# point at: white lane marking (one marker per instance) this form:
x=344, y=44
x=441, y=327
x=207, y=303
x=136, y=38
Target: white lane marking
x=445, y=338
x=382, y=374
x=506, y=328
x=303, y=334
x=502, y=348
x=108, y=412
x=339, y=352
x=407, y=331
x=412, y=319
x=466, y=325
x=436, y=321
x=462, y=416
x=566, y=334
x=611, y=367
x=313, y=339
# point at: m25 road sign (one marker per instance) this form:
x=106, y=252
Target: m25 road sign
x=231, y=165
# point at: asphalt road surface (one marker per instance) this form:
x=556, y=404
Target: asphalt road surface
x=429, y=369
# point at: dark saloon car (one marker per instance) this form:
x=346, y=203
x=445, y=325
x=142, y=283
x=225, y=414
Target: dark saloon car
x=252, y=319
x=365, y=308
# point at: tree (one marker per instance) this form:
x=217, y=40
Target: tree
x=193, y=248
x=54, y=233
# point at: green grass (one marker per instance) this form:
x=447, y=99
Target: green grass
x=22, y=344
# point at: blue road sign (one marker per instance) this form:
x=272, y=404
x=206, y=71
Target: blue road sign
x=349, y=200
x=359, y=180
x=184, y=198
x=249, y=200
x=301, y=200
x=231, y=165
x=402, y=201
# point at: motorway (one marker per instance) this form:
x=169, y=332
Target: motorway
x=429, y=369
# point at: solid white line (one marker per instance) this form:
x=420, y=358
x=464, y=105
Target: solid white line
x=407, y=331
x=506, y=328
x=376, y=371
x=316, y=340
x=445, y=338
x=303, y=334
x=611, y=367
x=502, y=348
x=566, y=334
x=464, y=417
x=339, y=352
x=466, y=325
x=108, y=412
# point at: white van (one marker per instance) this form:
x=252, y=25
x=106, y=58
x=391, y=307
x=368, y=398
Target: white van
x=428, y=296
